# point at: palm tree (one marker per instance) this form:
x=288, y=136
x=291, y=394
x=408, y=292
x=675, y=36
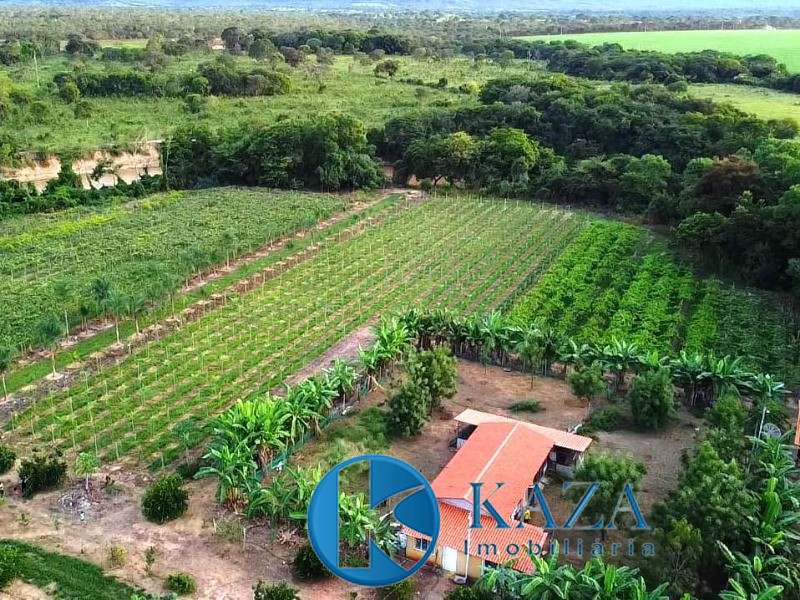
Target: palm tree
x=100, y=291
x=618, y=357
x=48, y=331
x=118, y=306
x=6, y=357
x=135, y=307
x=579, y=356
x=494, y=338
x=551, y=342
x=356, y=519
x=299, y=415
x=687, y=374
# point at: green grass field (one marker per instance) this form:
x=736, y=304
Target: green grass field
x=783, y=44
x=347, y=86
x=762, y=102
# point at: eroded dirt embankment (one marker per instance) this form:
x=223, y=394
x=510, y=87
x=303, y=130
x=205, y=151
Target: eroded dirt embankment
x=127, y=166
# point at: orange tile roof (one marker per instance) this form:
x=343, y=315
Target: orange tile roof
x=508, y=453
x=454, y=531
x=562, y=439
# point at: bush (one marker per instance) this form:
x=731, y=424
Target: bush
x=408, y=410
x=469, y=593
x=180, y=583
x=117, y=557
x=264, y=591
x=652, y=398
x=606, y=419
x=308, y=566
x=41, y=473
x=435, y=371
x=7, y=459
x=586, y=383
x=165, y=500
x=402, y=590
x=10, y=565
x=527, y=406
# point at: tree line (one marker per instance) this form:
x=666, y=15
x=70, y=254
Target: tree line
x=220, y=77
x=325, y=153
x=723, y=179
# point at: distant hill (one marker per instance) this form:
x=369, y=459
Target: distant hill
x=729, y=7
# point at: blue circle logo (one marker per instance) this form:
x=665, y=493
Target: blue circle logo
x=388, y=477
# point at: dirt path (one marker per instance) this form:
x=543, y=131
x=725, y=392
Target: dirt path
x=346, y=349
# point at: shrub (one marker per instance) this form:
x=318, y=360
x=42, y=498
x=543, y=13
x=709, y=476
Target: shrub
x=308, y=566
x=117, y=557
x=41, y=473
x=606, y=419
x=436, y=371
x=10, y=565
x=165, y=500
x=180, y=583
x=527, y=406
x=469, y=593
x=408, y=410
x=652, y=398
x=586, y=383
x=264, y=591
x=402, y=590
x=7, y=458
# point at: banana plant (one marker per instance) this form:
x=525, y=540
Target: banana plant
x=342, y=377
x=233, y=466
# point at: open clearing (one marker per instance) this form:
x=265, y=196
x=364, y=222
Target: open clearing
x=780, y=43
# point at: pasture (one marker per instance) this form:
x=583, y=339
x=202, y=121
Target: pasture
x=762, y=102
x=347, y=86
x=780, y=43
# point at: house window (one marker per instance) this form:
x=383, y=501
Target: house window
x=421, y=545
x=490, y=565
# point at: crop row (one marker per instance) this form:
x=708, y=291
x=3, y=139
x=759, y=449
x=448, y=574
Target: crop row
x=454, y=253
x=754, y=325
x=143, y=249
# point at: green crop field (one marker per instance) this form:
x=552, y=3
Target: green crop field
x=617, y=283
x=143, y=248
x=780, y=43
x=462, y=254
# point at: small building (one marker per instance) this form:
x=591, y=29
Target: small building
x=568, y=448
x=490, y=450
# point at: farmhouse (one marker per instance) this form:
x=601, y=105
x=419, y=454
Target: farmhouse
x=490, y=450
x=568, y=448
